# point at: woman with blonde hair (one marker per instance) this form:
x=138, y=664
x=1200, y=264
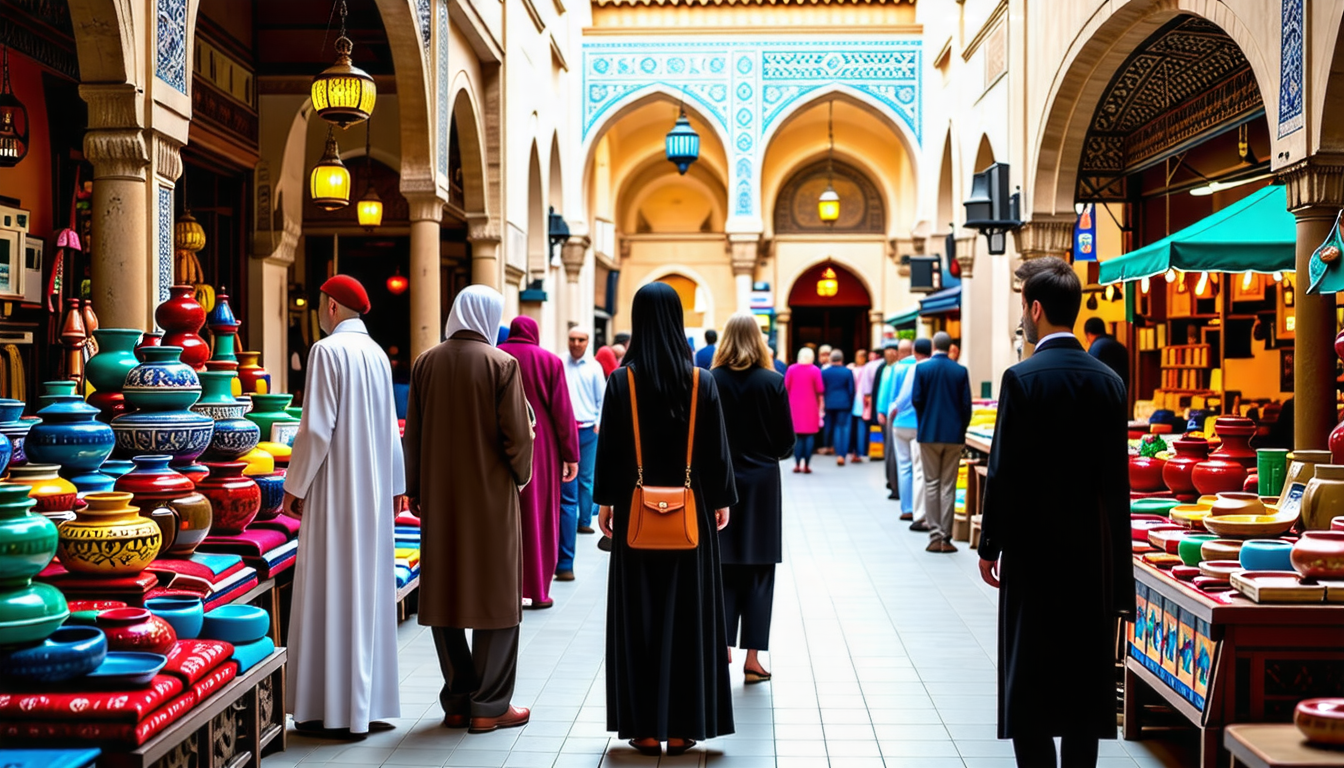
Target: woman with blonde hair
x=756, y=415
x=803, y=383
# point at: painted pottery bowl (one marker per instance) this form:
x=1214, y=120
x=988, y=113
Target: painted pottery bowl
x=1161, y=507
x=1321, y=721
x=50, y=491
x=278, y=451
x=136, y=629
x=1189, y=547
x=1221, y=549
x=1218, y=476
x=163, y=382
x=1319, y=555
x=185, y=614
x=272, y=488
x=235, y=500
x=68, y=653
x=27, y=541
x=181, y=434
x=236, y=624
x=258, y=462
x=30, y=614
x=127, y=670
x=109, y=538
x=1220, y=569
x=1266, y=555
x=1238, y=504
x=1145, y=474
x=1249, y=526
x=1190, y=515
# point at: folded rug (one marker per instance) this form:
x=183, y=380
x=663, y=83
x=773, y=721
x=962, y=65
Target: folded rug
x=283, y=523
x=251, y=654
x=250, y=542
x=212, y=568
x=130, y=706
x=118, y=734
x=233, y=593
x=193, y=660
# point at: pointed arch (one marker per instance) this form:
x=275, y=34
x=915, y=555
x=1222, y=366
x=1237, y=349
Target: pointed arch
x=465, y=145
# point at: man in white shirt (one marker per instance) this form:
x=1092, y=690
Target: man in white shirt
x=587, y=385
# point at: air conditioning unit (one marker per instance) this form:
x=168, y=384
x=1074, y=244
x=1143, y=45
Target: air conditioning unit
x=926, y=274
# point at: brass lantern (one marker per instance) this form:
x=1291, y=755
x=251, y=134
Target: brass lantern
x=13, y=121
x=188, y=234
x=344, y=94
x=330, y=181
x=828, y=286
x=370, y=209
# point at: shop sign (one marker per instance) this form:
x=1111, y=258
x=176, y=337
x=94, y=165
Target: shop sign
x=762, y=300
x=1085, y=234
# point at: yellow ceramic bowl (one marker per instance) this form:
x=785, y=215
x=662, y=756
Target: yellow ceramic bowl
x=1189, y=515
x=1238, y=504
x=259, y=462
x=279, y=451
x=1249, y=525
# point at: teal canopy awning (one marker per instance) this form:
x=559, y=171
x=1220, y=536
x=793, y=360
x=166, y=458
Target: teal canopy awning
x=907, y=317
x=946, y=300
x=1254, y=234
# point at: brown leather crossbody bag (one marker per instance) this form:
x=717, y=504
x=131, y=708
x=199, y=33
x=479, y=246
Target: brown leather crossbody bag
x=663, y=517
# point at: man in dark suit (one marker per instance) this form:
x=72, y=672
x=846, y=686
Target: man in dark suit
x=942, y=400
x=1106, y=348
x=1029, y=485
x=704, y=358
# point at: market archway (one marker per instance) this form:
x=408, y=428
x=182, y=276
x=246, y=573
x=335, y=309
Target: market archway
x=829, y=304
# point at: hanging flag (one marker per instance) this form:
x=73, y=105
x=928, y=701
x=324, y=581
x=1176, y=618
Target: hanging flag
x=1085, y=235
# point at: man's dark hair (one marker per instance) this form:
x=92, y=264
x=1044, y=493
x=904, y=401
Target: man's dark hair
x=622, y=338
x=1094, y=326
x=711, y=336
x=923, y=347
x=1055, y=285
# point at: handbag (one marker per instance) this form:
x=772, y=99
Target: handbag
x=662, y=517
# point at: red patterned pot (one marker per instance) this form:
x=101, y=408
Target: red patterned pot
x=158, y=490
x=1320, y=555
x=181, y=318
x=1145, y=474
x=1236, y=433
x=136, y=629
x=234, y=499
x=1217, y=476
x=1176, y=473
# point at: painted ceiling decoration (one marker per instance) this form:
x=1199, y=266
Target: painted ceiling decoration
x=1187, y=82
x=861, y=209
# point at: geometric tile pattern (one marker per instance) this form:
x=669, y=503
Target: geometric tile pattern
x=170, y=43
x=165, y=250
x=443, y=107
x=1291, y=69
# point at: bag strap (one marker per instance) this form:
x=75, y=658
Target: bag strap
x=690, y=437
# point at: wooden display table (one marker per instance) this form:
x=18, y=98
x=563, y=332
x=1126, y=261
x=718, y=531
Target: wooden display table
x=1276, y=746
x=408, y=599
x=1227, y=660
x=979, y=444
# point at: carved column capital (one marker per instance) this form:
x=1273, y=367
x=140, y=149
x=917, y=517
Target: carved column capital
x=425, y=207
x=742, y=254
x=1044, y=237
x=1315, y=182
x=483, y=229
x=117, y=153
x=167, y=156
x=113, y=105
x=572, y=255
x=966, y=254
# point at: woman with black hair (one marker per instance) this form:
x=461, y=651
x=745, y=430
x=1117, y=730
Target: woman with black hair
x=667, y=654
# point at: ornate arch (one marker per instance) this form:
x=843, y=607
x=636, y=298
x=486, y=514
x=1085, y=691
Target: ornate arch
x=468, y=151
x=861, y=211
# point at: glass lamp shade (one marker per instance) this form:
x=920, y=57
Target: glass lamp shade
x=330, y=181
x=828, y=285
x=344, y=94
x=13, y=126
x=370, y=209
x=683, y=144
x=828, y=205
x=188, y=234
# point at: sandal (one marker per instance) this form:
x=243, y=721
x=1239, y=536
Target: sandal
x=681, y=749
x=656, y=750
x=751, y=676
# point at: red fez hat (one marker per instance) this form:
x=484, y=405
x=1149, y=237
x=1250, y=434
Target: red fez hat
x=347, y=292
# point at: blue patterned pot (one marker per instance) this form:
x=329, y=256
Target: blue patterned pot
x=234, y=435
x=69, y=434
x=14, y=428
x=181, y=434
x=69, y=652
x=115, y=468
x=272, y=494
x=162, y=383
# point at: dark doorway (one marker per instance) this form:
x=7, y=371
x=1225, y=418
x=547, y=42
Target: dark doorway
x=829, y=305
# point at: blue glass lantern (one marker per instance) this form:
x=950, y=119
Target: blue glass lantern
x=683, y=144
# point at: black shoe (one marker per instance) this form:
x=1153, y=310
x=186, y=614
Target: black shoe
x=920, y=526
x=893, y=496
x=604, y=544
x=586, y=529
x=315, y=729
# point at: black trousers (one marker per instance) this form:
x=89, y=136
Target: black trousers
x=1039, y=751
x=477, y=680
x=749, y=597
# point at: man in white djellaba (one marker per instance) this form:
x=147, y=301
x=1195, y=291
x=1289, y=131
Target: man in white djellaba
x=345, y=481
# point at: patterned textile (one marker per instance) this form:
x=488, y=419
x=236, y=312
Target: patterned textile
x=131, y=706
x=192, y=660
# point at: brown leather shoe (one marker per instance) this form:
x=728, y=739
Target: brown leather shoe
x=948, y=547
x=586, y=529
x=456, y=721
x=564, y=576
x=515, y=717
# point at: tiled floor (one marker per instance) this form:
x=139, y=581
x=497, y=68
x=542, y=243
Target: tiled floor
x=883, y=655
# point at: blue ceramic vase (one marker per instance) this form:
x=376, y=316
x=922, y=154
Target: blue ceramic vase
x=183, y=435
x=162, y=383
x=70, y=435
x=234, y=435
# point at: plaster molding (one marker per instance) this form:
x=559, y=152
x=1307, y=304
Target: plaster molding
x=966, y=254
x=120, y=105
x=483, y=229
x=424, y=207
x=469, y=20
x=277, y=246
x=572, y=256
x=743, y=252
x=1048, y=237
x=1315, y=182
x=117, y=154
x=167, y=157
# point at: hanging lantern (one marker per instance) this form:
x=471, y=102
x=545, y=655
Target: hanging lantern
x=13, y=121
x=344, y=94
x=397, y=284
x=828, y=285
x=330, y=181
x=188, y=234
x=828, y=205
x=682, y=144
x=370, y=209
x=1144, y=285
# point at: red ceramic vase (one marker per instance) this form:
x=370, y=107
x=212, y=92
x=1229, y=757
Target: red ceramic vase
x=1336, y=444
x=1319, y=555
x=156, y=489
x=181, y=318
x=1145, y=474
x=1218, y=476
x=150, y=339
x=136, y=629
x=109, y=404
x=1339, y=345
x=234, y=499
x=1236, y=433
x=1176, y=473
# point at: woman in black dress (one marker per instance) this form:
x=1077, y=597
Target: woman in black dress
x=756, y=412
x=667, y=657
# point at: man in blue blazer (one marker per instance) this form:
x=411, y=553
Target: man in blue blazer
x=942, y=400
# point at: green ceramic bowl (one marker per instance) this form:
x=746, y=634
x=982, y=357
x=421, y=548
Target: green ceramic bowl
x=1189, y=547
x=1152, y=507
x=29, y=614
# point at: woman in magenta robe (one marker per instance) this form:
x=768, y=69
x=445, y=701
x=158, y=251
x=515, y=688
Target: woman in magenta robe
x=555, y=457
x=805, y=388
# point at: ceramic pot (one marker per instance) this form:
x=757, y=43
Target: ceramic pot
x=181, y=318
x=1302, y=467
x=1238, y=504
x=272, y=488
x=27, y=541
x=16, y=432
x=52, y=492
x=233, y=435
x=166, y=496
x=148, y=339
x=109, y=537
x=295, y=411
x=163, y=382
x=234, y=499
x=107, y=370
x=1319, y=555
x=1337, y=523
x=181, y=434
x=237, y=624
x=1176, y=472
x=1324, y=497
x=1236, y=433
x=1218, y=476
x=69, y=652
x=1336, y=444
x=1145, y=474
x=184, y=614
x=115, y=468
x=252, y=378
x=1266, y=555
x=30, y=613
x=1271, y=469
x=1321, y=721
x=195, y=472
x=268, y=412
x=1220, y=549
x=1190, y=547
x=195, y=518
x=258, y=462
x=224, y=328
x=136, y=629
x=70, y=435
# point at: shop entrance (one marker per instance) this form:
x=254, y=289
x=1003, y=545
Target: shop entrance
x=829, y=305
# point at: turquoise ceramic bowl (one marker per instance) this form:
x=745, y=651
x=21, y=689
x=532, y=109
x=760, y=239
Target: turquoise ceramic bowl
x=1189, y=547
x=127, y=670
x=249, y=655
x=1266, y=555
x=237, y=624
x=68, y=653
x=185, y=614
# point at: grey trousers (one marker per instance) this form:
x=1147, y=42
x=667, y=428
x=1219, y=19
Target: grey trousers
x=477, y=680
x=940, y=462
x=889, y=457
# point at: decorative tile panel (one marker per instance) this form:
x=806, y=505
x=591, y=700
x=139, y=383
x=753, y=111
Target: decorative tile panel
x=165, y=254
x=746, y=87
x=443, y=107
x=1291, y=80
x=170, y=57
x=423, y=17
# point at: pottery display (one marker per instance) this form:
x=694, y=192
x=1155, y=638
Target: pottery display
x=68, y=653
x=236, y=624
x=224, y=328
x=1249, y=526
x=1302, y=467
x=1160, y=507
x=181, y=434
x=126, y=670
x=181, y=317
x=164, y=382
x=1190, y=547
x=1236, y=433
x=235, y=499
x=1321, y=721
x=136, y=629
x=1218, y=476
x=1220, y=569
x=1190, y=515
x=107, y=370
x=1270, y=469
x=16, y=432
x=1319, y=555
x=258, y=462
x=184, y=614
x=148, y=339
x=1266, y=555
x=28, y=612
x=1238, y=504
x=109, y=537
x=1220, y=549
x=1176, y=472
x=1323, y=499
x=272, y=488
x=156, y=488
x=233, y=435
x=268, y=413
x=52, y=492
x=69, y=435
x=252, y=378
x=1145, y=474
x=115, y=468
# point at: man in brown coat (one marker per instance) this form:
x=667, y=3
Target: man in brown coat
x=468, y=450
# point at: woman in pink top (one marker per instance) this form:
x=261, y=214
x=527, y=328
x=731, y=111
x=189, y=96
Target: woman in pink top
x=803, y=382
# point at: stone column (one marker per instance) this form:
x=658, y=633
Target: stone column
x=572, y=255
x=782, y=335
x=484, y=233
x=742, y=251
x=878, y=321
x=1315, y=195
x=115, y=145
x=426, y=298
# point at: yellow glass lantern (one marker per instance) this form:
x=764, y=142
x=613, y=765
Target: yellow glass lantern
x=828, y=205
x=344, y=94
x=188, y=234
x=330, y=181
x=828, y=286
x=370, y=209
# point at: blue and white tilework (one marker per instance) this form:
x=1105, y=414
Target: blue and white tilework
x=443, y=106
x=165, y=264
x=170, y=57
x=747, y=87
x=1291, y=80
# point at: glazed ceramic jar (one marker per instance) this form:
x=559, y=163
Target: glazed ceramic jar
x=252, y=378
x=258, y=462
x=70, y=435
x=234, y=499
x=107, y=370
x=49, y=490
x=1190, y=451
x=15, y=428
x=1236, y=433
x=149, y=339
x=136, y=630
x=233, y=435
x=272, y=487
x=268, y=412
x=157, y=488
x=1324, y=497
x=224, y=328
x=28, y=612
x=163, y=382
x=1145, y=474
x=1319, y=555
x=163, y=388
x=181, y=318
x=109, y=538
x=1218, y=476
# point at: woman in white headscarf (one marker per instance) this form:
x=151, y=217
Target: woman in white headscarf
x=468, y=450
